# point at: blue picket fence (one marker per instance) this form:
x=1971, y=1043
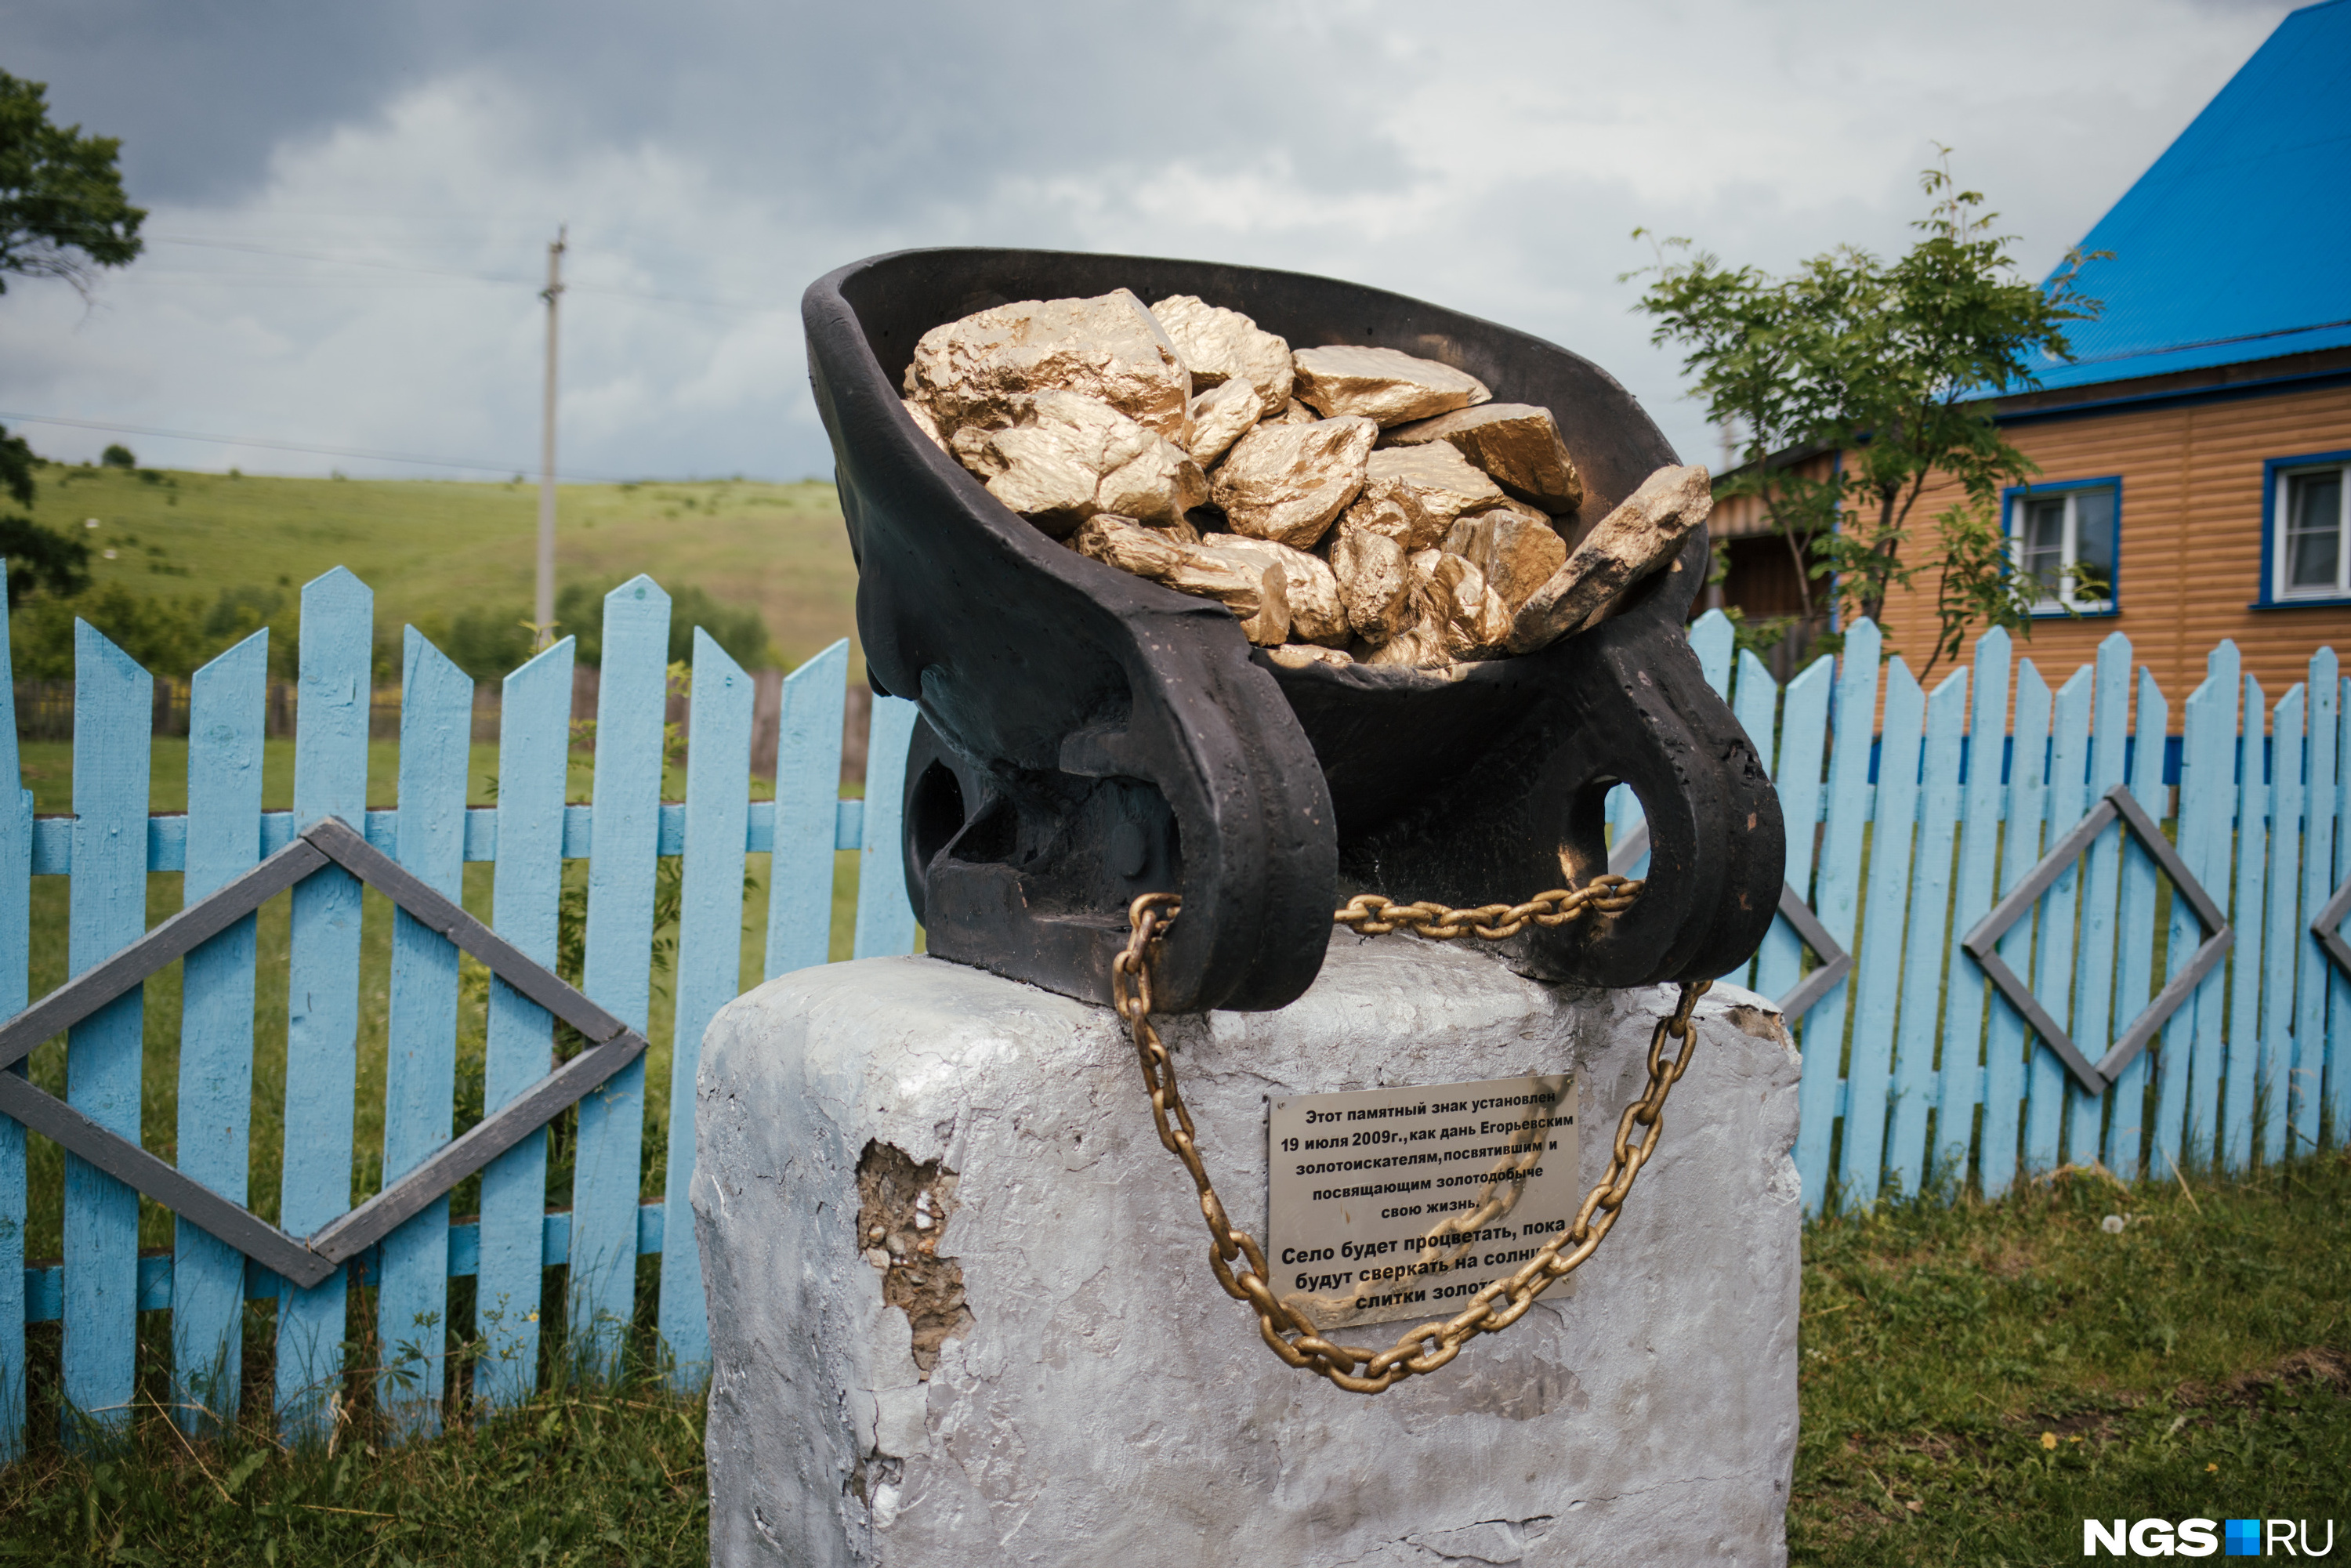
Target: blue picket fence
x=110, y=843
x=1900, y=843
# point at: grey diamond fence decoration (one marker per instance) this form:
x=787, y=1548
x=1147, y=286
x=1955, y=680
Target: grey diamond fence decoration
x=2324, y=927
x=2116, y=804
x=1835, y=962
x=309, y=1260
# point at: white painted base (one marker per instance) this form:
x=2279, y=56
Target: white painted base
x=1108, y=1404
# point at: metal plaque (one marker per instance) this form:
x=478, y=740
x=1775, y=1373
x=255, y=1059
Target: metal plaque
x=1386, y=1204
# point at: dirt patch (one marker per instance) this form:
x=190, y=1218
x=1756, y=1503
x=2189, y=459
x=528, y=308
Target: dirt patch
x=903, y=1209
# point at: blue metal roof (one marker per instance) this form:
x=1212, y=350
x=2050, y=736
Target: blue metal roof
x=2236, y=246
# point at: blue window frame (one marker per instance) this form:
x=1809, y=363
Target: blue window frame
x=2306, y=530
x=2067, y=533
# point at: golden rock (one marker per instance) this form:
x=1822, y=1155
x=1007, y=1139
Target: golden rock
x=1390, y=506
x=1253, y=590
x=977, y=371
x=1374, y=582
x=1382, y=384
x=1420, y=646
x=1220, y=416
x=1220, y=345
x=1298, y=655
x=1515, y=547
x=1472, y=621
x=1287, y=482
x=1517, y=444
x=1630, y=542
x=1415, y=494
x=920, y=412
x=1312, y=587
x=1293, y=413
x=1071, y=458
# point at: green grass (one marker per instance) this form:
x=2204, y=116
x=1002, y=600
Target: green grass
x=431, y=550
x=1979, y=1377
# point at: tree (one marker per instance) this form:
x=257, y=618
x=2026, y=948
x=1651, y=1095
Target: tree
x=36, y=556
x=62, y=214
x=62, y=211
x=1889, y=367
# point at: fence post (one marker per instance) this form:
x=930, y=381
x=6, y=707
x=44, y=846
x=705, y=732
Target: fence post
x=709, y=970
x=621, y=868
x=227, y=713
x=526, y=896
x=419, y=1080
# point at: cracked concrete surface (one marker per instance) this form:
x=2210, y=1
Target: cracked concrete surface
x=1107, y=1403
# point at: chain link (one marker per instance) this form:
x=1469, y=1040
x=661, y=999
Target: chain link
x=1288, y=1333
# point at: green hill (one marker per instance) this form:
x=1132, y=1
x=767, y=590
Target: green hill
x=435, y=551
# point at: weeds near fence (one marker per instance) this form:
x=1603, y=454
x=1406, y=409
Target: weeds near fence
x=1977, y=1378
x=591, y=1471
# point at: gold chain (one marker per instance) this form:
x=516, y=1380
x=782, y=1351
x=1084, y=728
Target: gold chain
x=1288, y=1333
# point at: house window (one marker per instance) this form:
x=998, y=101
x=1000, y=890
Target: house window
x=2065, y=541
x=2312, y=529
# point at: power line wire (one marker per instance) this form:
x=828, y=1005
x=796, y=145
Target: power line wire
x=610, y=288
x=295, y=446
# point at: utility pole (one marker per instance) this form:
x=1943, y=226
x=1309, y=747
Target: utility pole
x=543, y=603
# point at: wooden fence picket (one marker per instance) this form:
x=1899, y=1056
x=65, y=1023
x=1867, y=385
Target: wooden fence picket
x=436, y=732
x=2008, y=1071
x=2207, y=790
x=227, y=708
x=2330, y=1091
x=1924, y=944
x=709, y=965
x=1755, y=703
x=1837, y=901
x=534, y=747
x=322, y=1008
x=15, y=980
x=113, y=703
x=2319, y=803
x=2135, y=934
x=1796, y=772
x=2245, y=910
x=885, y=921
x=630, y=703
x=807, y=812
x=1878, y=987
x=1961, y=1037
x=2282, y=939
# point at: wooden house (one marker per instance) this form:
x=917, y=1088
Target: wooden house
x=2195, y=453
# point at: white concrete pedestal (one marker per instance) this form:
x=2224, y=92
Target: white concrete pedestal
x=1104, y=1403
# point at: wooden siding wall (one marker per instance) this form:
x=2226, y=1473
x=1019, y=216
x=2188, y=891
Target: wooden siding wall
x=2191, y=565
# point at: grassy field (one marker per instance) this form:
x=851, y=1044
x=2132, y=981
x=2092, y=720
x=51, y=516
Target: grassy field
x=431, y=550
x=1976, y=1379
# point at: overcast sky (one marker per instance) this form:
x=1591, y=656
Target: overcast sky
x=350, y=205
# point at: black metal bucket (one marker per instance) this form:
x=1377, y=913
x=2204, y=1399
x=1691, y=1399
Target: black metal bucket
x=1087, y=736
